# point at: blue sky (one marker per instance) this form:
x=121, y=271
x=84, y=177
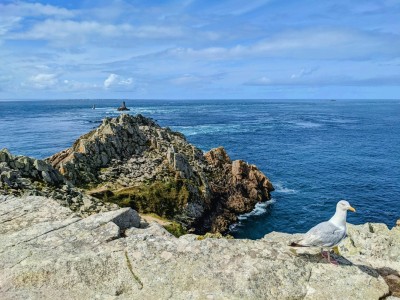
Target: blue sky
x=261, y=49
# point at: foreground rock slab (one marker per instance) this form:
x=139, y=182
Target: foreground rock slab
x=47, y=252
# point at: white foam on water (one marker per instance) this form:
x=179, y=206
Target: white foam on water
x=259, y=209
x=204, y=129
x=279, y=188
x=307, y=124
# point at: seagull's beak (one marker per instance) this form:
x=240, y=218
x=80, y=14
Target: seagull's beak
x=352, y=209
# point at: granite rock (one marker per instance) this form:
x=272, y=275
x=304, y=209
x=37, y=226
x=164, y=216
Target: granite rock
x=22, y=175
x=47, y=252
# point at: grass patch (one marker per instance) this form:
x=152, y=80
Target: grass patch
x=175, y=229
x=165, y=199
x=216, y=235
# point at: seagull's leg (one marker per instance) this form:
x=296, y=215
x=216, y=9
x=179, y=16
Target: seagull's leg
x=323, y=253
x=332, y=260
x=327, y=256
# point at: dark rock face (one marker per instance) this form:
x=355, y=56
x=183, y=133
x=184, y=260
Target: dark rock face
x=133, y=161
x=22, y=175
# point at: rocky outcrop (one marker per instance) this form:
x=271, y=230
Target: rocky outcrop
x=235, y=188
x=47, y=252
x=22, y=175
x=132, y=161
x=18, y=172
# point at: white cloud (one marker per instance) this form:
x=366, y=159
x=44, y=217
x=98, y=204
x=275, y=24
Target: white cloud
x=315, y=44
x=7, y=23
x=24, y=9
x=260, y=81
x=73, y=32
x=303, y=72
x=328, y=80
x=196, y=80
x=111, y=79
x=43, y=80
x=77, y=86
x=116, y=80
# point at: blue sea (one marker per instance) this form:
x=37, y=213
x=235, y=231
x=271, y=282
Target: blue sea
x=315, y=152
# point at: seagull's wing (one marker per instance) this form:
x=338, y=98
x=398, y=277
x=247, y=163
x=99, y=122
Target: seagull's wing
x=324, y=234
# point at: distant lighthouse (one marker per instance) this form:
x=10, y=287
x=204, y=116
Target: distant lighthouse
x=123, y=107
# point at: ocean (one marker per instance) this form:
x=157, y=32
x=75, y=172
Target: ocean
x=315, y=152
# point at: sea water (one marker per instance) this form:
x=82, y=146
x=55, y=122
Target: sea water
x=315, y=152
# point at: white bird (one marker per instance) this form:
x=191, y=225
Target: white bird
x=327, y=234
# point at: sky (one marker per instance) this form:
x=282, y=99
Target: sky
x=200, y=49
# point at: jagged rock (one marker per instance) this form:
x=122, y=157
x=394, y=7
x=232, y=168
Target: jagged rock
x=22, y=175
x=47, y=252
x=132, y=160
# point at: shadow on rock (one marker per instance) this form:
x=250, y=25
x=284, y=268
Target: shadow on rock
x=342, y=261
x=392, y=278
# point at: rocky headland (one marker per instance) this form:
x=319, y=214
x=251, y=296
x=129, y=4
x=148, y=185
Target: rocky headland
x=134, y=162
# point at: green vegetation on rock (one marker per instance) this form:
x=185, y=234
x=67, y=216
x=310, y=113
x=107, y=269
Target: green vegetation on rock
x=165, y=199
x=175, y=228
x=216, y=235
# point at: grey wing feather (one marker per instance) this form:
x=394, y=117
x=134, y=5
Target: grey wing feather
x=324, y=234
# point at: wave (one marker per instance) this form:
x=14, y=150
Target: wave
x=207, y=129
x=279, y=188
x=307, y=124
x=259, y=209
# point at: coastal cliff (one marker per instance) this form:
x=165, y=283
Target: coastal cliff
x=48, y=252
x=132, y=161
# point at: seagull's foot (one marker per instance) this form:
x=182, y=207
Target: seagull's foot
x=333, y=261
x=327, y=256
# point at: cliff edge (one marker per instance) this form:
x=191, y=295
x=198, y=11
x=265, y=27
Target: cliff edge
x=48, y=252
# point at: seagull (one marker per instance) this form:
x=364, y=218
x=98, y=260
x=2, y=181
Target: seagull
x=327, y=234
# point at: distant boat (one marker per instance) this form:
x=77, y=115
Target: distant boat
x=333, y=100
x=123, y=107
